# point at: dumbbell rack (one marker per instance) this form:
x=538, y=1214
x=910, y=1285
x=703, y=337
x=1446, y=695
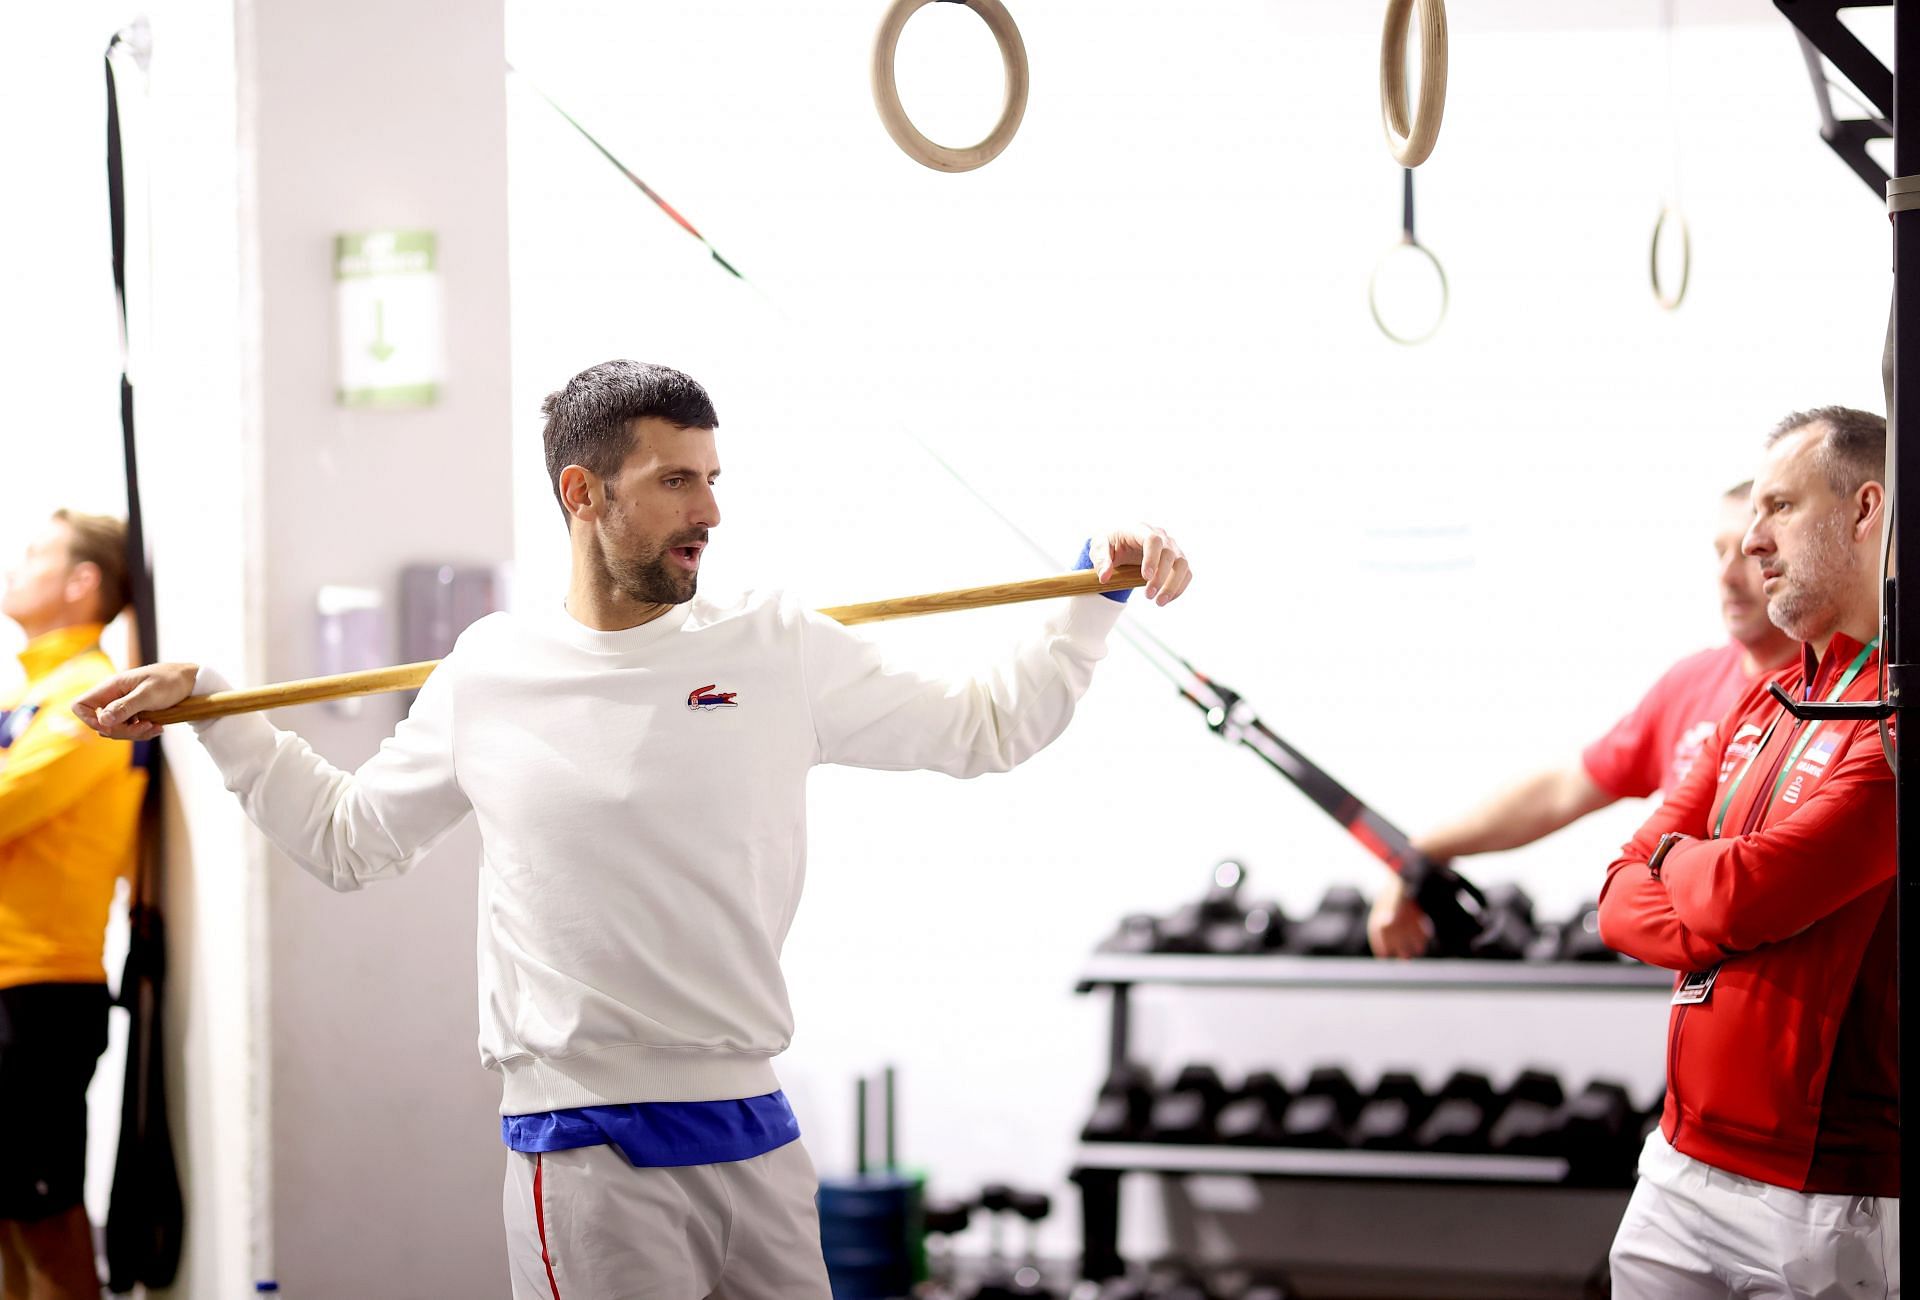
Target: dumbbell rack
x=1098, y=1166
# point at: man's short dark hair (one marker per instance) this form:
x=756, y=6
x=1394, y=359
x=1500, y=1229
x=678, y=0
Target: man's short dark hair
x=1853, y=449
x=590, y=421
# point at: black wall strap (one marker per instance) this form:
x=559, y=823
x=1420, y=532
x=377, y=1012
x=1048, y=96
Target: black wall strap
x=145, y=1214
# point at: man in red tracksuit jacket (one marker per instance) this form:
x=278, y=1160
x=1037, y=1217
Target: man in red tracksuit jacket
x=1647, y=752
x=1766, y=880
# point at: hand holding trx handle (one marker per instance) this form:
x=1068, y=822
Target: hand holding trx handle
x=1396, y=927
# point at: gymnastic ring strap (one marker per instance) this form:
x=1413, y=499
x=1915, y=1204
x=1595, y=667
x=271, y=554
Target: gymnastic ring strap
x=893, y=116
x=1411, y=141
x=1407, y=240
x=1670, y=215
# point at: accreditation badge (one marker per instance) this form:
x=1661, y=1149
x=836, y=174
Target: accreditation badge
x=1695, y=987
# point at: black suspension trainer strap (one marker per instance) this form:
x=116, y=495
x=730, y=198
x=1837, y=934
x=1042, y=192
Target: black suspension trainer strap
x=145, y=1215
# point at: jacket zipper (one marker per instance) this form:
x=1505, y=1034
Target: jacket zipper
x=1673, y=1070
x=1755, y=811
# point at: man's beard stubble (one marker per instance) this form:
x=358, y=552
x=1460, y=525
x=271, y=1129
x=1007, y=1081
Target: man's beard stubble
x=1804, y=605
x=649, y=578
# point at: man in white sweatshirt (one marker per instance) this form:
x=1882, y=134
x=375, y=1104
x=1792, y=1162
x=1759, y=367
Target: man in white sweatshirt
x=630, y=988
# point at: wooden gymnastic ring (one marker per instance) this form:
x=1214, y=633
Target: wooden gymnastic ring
x=1660, y=295
x=1373, y=294
x=1411, y=142
x=886, y=94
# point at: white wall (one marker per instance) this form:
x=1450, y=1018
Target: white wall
x=197, y=380
x=1433, y=569
x=384, y=1129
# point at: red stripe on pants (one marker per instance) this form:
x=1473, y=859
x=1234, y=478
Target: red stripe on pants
x=540, y=1219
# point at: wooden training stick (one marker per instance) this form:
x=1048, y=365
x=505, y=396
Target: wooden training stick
x=406, y=677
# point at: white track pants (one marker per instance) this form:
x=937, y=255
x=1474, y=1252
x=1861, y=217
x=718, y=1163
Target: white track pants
x=1694, y=1232
x=586, y=1225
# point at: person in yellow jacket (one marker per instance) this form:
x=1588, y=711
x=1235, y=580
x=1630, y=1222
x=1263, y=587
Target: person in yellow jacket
x=69, y=811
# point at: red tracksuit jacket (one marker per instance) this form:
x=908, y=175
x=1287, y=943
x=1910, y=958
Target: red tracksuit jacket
x=1787, y=1072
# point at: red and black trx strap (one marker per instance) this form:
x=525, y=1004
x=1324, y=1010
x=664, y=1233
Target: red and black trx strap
x=144, y=1213
x=1451, y=902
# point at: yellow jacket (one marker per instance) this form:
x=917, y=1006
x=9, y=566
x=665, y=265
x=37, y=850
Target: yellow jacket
x=69, y=813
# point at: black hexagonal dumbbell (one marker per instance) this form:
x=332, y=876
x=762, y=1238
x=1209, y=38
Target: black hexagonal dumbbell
x=1252, y=1116
x=943, y=1220
x=1507, y=928
x=1337, y=928
x=1461, y=1116
x=1392, y=1114
x=1222, y=901
x=1001, y=1278
x=1264, y=929
x=995, y=1200
x=1323, y=1110
x=1186, y=1111
x=1007, y=1281
x=1233, y=926
x=1601, y=1134
x=1530, y=1123
x=1223, y=917
x=1580, y=937
x=1124, y=1108
x=1221, y=923
x=1138, y=932
x=1184, y=931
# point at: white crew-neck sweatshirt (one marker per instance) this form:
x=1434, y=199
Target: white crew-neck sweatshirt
x=641, y=796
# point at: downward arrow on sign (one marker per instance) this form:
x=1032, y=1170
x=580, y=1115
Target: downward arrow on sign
x=380, y=348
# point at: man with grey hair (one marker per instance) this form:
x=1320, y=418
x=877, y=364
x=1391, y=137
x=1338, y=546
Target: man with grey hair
x=1766, y=882
x=1648, y=751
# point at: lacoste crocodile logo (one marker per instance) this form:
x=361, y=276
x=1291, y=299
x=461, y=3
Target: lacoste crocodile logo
x=702, y=698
